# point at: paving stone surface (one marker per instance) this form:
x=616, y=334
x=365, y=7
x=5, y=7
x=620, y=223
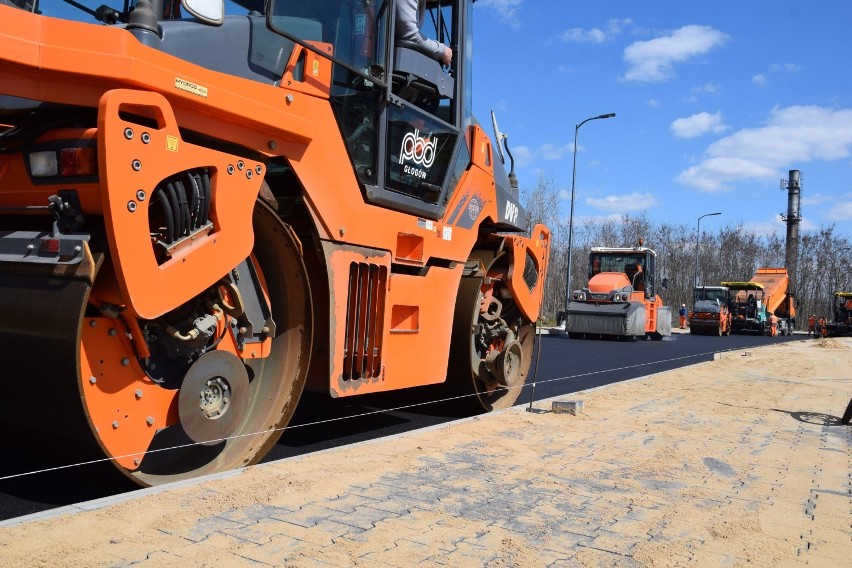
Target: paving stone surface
x=758, y=474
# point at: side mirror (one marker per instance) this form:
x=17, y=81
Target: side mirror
x=208, y=11
x=498, y=137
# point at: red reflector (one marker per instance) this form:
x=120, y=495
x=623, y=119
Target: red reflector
x=77, y=162
x=67, y=162
x=50, y=245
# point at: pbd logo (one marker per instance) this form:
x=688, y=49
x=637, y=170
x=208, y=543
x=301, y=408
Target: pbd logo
x=417, y=149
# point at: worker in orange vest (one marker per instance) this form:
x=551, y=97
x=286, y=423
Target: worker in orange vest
x=773, y=325
x=811, y=324
x=682, y=314
x=821, y=329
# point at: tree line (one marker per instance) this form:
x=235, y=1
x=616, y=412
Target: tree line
x=731, y=253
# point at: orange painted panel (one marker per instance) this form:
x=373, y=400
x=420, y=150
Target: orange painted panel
x=415, y=359
x=405, y=319
x=410, y=357
x=129, y=165
x=605, y=282
x=538, y=245
x=124, y=407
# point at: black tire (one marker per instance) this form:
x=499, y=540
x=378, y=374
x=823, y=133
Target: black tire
x=468, y=371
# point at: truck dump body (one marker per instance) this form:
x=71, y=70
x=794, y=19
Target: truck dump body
x=751, y=303
x=775, y=283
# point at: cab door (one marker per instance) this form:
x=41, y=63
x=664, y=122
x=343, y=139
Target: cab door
x=423, y=149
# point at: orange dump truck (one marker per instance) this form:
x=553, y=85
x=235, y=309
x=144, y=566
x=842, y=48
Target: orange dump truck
x=207, y=208
x=751, y=303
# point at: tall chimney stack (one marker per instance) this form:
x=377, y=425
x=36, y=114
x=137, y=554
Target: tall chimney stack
x=792, y=218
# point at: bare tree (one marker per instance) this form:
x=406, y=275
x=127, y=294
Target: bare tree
x=542, y=205
x=732, y=253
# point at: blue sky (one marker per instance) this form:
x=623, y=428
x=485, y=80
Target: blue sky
x=715, y=102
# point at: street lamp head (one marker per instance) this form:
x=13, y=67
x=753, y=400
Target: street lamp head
x=610, y=115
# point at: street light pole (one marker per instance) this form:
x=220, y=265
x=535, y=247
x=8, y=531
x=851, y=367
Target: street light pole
x=698, y=242
x=571, y=215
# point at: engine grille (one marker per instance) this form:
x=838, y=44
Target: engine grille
x=365, y=317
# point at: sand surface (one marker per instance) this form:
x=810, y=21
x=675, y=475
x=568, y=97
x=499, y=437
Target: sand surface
x=736, y=462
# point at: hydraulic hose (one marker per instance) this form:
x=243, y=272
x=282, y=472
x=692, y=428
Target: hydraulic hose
x=175, y=205
x=195, y=202
x=184, y=208
x=205, y=188
x=167, y=211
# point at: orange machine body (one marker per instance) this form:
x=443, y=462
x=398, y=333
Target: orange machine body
x=620, y=298
x=379, y=281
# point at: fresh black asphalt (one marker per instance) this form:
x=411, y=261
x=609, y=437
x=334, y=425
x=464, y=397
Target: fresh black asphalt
x=562, y=366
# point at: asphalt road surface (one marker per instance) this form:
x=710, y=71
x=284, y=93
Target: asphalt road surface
x=562, y=366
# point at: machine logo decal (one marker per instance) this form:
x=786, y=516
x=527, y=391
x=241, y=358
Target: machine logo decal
x=419, y=150
x=473, y=208
x=184, y=85
x=511, y=213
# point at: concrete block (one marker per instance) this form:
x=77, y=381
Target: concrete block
x=574, y=407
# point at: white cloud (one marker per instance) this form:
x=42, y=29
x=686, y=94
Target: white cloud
x=760, y=79
x=776, y=226
x=840, y=212
x=507, y=10
x=613, y=28
x=705, y=89
x=523, y=155
x=698, y=124
x=654, y=103
x=714, y=174
x=623, y=203
x=816, y=199
x=786, y=67
x=653, y=61
x=772, y=226
x=554, y=152
x=791, y=136
x=695, y=93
